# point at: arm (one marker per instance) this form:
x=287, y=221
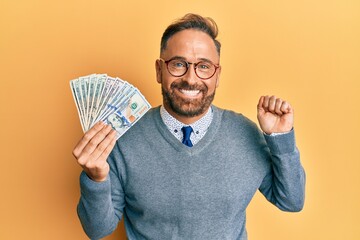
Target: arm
x=284, y=185
x=96, y=206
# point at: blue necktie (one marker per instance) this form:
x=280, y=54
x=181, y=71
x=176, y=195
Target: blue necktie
x=186, y=140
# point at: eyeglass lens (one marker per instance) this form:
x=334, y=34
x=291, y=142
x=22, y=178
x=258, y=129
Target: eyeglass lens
x=203, y=69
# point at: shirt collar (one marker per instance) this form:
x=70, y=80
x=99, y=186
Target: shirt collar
x=200, y=126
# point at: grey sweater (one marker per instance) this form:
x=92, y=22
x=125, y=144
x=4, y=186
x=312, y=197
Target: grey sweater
x=166, y=190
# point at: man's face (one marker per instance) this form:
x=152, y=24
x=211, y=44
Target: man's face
x=188, y=95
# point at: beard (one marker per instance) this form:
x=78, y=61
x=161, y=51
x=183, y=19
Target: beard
x=187, y=107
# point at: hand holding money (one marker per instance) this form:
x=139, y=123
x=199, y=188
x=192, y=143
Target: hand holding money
x=107, y=108
x=93, y=149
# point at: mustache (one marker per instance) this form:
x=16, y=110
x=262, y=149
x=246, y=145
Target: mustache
x=186, y=86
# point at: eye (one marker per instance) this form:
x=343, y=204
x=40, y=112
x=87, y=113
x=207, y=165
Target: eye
x=177, y=64
x=203, y=66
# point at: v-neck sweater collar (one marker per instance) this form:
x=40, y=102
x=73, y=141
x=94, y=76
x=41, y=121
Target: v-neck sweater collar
x=201, y=145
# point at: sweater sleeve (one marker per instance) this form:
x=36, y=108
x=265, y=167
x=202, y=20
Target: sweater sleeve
x=101, y=203
x=284, y=185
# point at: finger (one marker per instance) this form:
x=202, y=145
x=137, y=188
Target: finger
x=260, y=103
x=91, y=152
x=103, y=146
x=97, y=139
x=278, y=105
x=272, y=103
x=108, y=149
x=265, y=104
x=87, y=137
x=285, y=107
x=96, y=165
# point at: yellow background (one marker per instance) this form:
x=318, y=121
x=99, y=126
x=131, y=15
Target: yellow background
x=307, y=52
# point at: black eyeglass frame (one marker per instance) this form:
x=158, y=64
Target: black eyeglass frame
x=188, y=66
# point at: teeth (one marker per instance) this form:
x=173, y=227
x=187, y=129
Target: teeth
x=190, y=92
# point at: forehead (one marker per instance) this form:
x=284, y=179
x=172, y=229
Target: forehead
x=191, y=44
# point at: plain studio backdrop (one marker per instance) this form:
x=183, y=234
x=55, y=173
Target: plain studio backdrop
x=307, y=52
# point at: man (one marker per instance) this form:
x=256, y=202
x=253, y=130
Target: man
x=188, y=169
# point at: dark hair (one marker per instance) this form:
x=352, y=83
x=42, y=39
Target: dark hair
x=192, y=21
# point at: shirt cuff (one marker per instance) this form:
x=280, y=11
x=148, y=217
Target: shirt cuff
x=281, y=143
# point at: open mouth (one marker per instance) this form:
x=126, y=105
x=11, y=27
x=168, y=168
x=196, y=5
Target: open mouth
x=190, y=93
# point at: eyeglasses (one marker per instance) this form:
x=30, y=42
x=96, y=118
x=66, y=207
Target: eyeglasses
x=179, y=67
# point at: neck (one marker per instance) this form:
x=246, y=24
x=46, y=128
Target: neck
x=184, y=119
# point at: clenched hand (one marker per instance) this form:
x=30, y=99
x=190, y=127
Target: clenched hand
x=274, y=115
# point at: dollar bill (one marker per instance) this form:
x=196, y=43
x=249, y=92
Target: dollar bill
x=90, y=95
x=76, y=95
x=83, y=86
x=99, y=97
x=128, y=113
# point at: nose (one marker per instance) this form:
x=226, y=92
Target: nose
x=190, y=76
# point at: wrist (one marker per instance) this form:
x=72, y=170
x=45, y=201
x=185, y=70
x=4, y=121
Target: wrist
x=277, y=133
x=96, y=178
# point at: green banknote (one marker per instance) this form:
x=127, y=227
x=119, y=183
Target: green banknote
x=99, y=97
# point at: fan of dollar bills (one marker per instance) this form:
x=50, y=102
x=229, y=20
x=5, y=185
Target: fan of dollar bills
x=99, y=97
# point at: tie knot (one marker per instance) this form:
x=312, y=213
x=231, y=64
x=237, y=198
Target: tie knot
x=187, y=131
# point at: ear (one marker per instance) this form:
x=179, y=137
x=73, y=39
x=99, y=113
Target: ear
x=158, y=70
x=218, y=77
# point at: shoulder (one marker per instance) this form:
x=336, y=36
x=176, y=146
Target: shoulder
x=236, y=125
x=231, y=117
x=136, y=134
x=142, y=126
x=149, y=117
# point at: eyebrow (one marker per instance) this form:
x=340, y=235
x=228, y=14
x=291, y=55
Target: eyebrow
x=177, y=58
x=200, y=59
x=206, y=60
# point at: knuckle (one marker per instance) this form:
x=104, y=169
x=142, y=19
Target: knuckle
x=82, y=161
x=89, y=165
x=97, y=127
x=101, y=148
x=106, y=129
x=92, y=144
x=86, y=137
x=107, y=150
x=101, y=135
x=285, y=105
x=75, y=153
